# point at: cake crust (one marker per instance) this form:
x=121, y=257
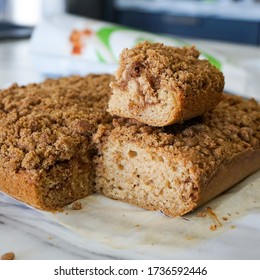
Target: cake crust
x=160, y=85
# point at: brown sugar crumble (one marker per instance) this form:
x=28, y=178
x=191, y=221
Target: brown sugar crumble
x=8, y=256
x=45, y=123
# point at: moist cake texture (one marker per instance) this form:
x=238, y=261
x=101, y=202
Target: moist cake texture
x=45, y=138
x=177, y=168
x=160, y=85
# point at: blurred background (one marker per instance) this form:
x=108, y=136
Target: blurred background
x=223, y=20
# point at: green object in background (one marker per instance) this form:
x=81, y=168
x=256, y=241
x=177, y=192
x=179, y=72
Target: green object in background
x=142, y=39
x=100, y=57
x=104, y=35
x=212, y=60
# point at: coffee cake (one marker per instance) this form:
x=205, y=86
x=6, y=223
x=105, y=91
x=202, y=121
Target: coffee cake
x=160, y=85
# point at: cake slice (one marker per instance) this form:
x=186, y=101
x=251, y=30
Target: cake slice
x=160, y=85
x=177, y=168
x=45, y=139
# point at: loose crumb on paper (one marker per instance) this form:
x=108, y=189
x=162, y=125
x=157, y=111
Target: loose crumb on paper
x=213, y=227
x=214, y=216
x=76, y=205
x=189, y=237
x=202, y=214
x=8, y=256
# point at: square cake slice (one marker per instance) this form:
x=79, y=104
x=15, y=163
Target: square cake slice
x=177, y=168
x=45, y=139
x=161, y=85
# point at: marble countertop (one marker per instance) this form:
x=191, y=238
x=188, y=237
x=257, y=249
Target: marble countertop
x=29, y=233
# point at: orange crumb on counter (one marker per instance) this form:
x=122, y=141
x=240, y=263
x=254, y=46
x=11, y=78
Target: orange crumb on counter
x=8, y=256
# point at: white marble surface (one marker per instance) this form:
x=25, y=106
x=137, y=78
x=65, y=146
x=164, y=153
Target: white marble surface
x=33, y=235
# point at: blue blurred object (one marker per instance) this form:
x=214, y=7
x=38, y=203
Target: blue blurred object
x=225, y=20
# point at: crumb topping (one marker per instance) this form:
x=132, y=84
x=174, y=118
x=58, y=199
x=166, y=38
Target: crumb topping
x=50, y=122
x=167, y=67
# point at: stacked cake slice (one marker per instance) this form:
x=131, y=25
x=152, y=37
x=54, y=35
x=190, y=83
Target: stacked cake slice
x=201, y=149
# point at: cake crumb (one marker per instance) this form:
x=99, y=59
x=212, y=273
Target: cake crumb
x=233, y=227
x=213, y=227
x=8, y=256
x=202, y=214
x=76, y=205
x=225, y=219
x=188, y=237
